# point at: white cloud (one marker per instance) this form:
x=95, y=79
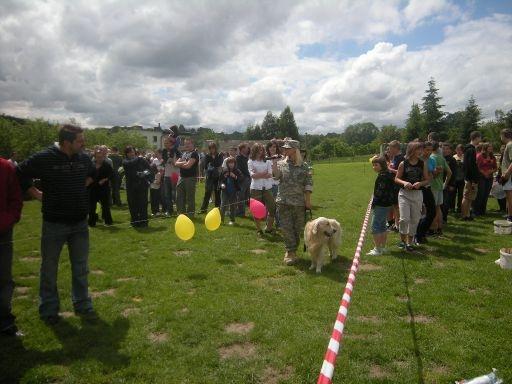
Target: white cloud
x=223, y=64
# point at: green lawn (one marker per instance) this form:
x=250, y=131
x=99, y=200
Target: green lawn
x=222, y=308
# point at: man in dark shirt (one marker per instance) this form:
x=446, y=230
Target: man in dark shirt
x=471, y=175
x=10, y=211
x=188, y=163
x=245, y=184
x=64, y=172
x=450, y=192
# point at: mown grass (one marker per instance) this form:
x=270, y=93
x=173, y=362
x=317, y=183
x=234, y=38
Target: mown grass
x=434, y=316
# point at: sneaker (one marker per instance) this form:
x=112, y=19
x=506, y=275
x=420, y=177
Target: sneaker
x=11, y=331
x=259, y=233
x=89, y=316
x=374, y=252
x=51, y=320
x=509, y=218
x=401, y=245
x=409, y=248
x=231, y=223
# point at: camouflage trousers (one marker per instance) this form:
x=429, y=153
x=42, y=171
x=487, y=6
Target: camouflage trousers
x=291, y=219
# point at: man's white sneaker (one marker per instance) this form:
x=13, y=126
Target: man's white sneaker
x=374, y=252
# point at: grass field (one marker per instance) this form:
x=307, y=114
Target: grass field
x=222, y=308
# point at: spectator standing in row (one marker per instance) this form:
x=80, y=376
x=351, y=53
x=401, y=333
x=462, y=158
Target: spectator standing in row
x=428, y=197
x=471, y=175
x=10, y=212
x=506, y=169
x=245, y=184
x=395, y=158
x=117, y=162
x=441, y=177
x=459, y=178
x=188, y=163
x=260, y=171
x=273, y=152
x=155, y=188
x=449, y=192
x=99, y=189
x=293, y=197
x=412, y=175
x=136, y=170
x=212, y=166
x=487, y=165
x=229, y=185
x=168, y=189
x=64, y=171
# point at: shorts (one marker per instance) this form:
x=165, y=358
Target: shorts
x=508, y=185
x=380, y=219
x=470, y=190
x=438, y=196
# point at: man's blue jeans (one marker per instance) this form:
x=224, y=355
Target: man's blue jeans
x=168, y=193
x=54, y=236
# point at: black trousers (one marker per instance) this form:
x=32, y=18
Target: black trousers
x=430, y=205
x=138, y=205
x=211, y=185
x=116, y=188
x=101, y=195
x=459, y=192
x=155, y=198
x=448, y=202
x=482, y=195
x=6, y=281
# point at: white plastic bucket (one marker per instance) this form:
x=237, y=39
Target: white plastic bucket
x=502, y=227
x=505, y=260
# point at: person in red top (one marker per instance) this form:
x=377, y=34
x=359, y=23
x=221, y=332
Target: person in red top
x=10, y=212
x=487, y=165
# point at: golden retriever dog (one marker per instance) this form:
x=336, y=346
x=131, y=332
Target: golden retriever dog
x=320, y=235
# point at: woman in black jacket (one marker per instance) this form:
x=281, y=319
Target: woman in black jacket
x=212, y=166
x=99, y=190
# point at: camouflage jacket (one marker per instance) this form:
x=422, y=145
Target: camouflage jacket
x=293, y=182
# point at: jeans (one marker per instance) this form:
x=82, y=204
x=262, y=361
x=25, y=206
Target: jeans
x=243, y=195
x=116, y=188
x=482, y=195
x=186, y=196
x=54, y=236
x=430, y=206
x=211, y=185
x=228, y=202
x=380, y=219
x=168, y=194
x=6, y=281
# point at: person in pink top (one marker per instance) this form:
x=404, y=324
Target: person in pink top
x=487, y=165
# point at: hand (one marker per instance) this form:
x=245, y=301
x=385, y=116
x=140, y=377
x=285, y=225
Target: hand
x=408, y=185
x=451, y=189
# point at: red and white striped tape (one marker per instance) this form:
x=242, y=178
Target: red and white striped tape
x=337, y=334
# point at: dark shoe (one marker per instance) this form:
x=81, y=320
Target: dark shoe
x=409, y=248
x=420, y=240
x=89, y=316
x=11, y=331
x=51, y=320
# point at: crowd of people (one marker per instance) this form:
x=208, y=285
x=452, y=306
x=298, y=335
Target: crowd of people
x=72, y=181
x=413, y=193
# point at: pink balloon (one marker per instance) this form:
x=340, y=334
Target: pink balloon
x=174, y=178
x=258, y=209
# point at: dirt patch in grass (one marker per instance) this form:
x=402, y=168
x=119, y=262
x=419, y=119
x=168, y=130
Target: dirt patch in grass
x=191, y=292
x=130, y=311
x=440, y=369
x=97, y=272
x=420, y=280
x=108, y=292
x=377, y=372
x=30, y=259
x=369, y=319
x=471, y=290
x=22, y=297
x=240, y=328
x=401, y=364
x=123, y=279
x=184, y=310
x=258, y=251
x=482, y=250
x=419, y=319
x=369, y=267
x=27, y=277
x=22, y=290
x=182, y=253
x=67, y=314
x=238, y=350
x=355, y=336
x=158, y=337
x=402, y=299
x=137, y=299
x=439, y=264
x=272, y=375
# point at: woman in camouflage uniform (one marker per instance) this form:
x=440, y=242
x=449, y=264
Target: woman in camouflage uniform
x=293, y=197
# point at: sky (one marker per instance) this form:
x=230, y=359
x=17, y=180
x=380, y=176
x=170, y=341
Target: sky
x=224, y=64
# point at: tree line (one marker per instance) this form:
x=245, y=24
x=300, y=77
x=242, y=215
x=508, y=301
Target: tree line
x=26, y=136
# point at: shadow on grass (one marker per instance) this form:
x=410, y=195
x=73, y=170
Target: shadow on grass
x=412, y=323
x=100, y=341
x=336, y=270
x=149, y=229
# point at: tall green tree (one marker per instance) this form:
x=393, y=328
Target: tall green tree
x=414, y=126
x=389, y=133
x=431, y=108
x=287, y=125
x=453, y=123
x=472, y=116
x=270, y=126
x=360, y=133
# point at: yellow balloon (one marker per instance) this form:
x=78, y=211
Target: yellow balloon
x=184, y=228
x=213, y=219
